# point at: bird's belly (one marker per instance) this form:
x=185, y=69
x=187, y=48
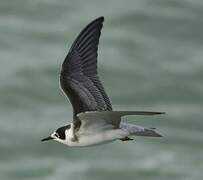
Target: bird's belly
x=91, y=139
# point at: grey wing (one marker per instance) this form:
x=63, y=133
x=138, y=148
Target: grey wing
x=96, y=118
x=79, y=79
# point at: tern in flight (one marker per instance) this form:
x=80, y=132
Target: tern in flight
x=94, y=121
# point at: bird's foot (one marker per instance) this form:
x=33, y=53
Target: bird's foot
x=126, y=139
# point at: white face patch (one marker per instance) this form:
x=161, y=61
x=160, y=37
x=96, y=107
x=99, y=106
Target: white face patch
x=56, y=137
x=53, y=135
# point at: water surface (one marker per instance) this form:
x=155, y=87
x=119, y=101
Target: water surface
x=150, y=58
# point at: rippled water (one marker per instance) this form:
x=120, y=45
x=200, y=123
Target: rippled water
x=150, y=58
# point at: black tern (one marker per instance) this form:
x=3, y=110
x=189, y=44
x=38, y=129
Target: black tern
x=94, y=121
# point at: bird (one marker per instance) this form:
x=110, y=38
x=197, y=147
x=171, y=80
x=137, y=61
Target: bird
x=94, y=120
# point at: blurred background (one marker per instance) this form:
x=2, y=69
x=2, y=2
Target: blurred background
x=150, y=58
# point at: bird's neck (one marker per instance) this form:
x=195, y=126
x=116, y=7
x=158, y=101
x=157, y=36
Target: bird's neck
x=71, y=133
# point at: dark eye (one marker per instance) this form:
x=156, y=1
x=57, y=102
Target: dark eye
x=57, y=135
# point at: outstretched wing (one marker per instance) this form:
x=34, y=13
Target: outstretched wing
x=78, y=78
x=99, y=119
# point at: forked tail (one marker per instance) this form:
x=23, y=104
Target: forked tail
x=135, y=130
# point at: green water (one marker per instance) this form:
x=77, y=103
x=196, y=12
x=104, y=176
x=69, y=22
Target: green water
x=150, y=58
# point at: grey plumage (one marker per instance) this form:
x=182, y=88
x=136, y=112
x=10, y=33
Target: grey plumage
x=110, y=117
x=139, y=130
x=78, y=78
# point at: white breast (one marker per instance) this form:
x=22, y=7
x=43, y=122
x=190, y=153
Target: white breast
x=102, y=137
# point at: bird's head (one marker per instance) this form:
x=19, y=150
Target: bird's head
x=59, y=135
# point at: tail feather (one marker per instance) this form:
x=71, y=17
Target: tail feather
x=148, y=133
x=135, y=130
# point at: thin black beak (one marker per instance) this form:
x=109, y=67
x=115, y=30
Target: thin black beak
x=47, y=139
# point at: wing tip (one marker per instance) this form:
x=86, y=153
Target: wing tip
x=99, y=21
x=146, y=113
x=100, y=18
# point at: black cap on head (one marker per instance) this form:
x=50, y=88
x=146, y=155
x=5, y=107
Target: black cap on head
x=61, y=131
